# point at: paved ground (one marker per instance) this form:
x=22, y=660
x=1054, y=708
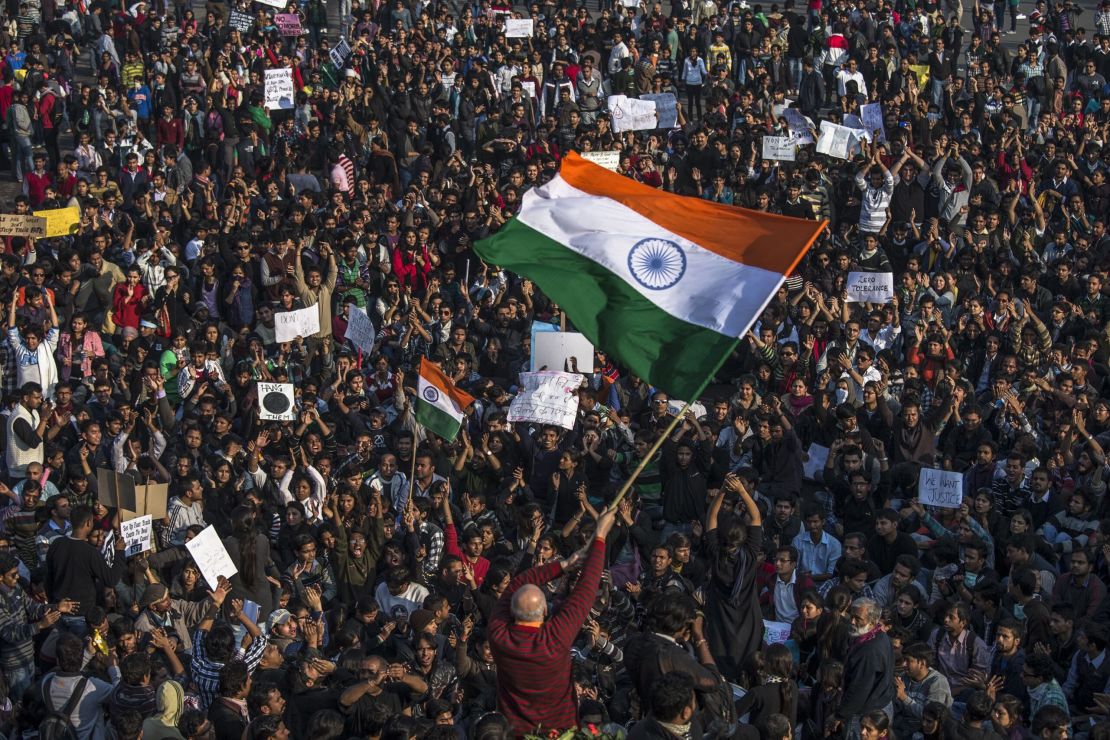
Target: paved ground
x=9, y=188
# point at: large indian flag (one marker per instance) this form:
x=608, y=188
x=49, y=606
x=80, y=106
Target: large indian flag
x=664, y=283
x=439, y=404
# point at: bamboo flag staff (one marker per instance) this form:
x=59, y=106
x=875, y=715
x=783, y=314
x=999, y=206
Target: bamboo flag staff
x=664, y=283
x=669, y=430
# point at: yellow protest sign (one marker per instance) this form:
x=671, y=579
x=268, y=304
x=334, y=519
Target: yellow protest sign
x=12, y=224
x=922, y=72
x=61, y=221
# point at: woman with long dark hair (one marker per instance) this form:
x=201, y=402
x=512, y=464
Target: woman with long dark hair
x=734, y=624
x=250, y=551
x=776, y=693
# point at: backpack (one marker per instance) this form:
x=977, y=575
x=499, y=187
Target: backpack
x=56, y=724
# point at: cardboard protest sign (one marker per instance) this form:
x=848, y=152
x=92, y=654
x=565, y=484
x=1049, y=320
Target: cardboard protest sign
x=120, y=491
x=136, y=533
x=632, y=114
x=870, y=287
x=275, y=402
x=289, y=24
x=360, y=330
x=211, y=557
x=340, y=53
x=304, y=322
x=547, y=398
x=61, y=221
x=871, y=115
x=666, y=107
x=12, y=224
x=942, y=488
x=240, y=21
x=518, y=28
x=814, y=465
x=609, y=160
x=279, y=92
x=780, y=148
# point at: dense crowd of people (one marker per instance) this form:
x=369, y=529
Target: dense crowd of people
x=773, y=572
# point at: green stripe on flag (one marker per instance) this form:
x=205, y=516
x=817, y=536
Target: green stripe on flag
x=435, y=420
x=667, y=352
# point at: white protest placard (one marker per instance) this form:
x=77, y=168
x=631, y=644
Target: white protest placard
x=518, y=28
x=565, y=351
x=304, y=322
x=836, y=141
x=136, y=533
x=339, y=54
x=547, y=398
x=632, y=114
x=360, y=330
x=855, y=123
x=870, y=287
x=871, y=116
x=666, y=107
x=674, y=406
x=816, y=457
x=274, y=4
x=528, y=88
x=630, y=3
x=211, y=557
x=779, y=148
x=943, y=488
x=275, y=402
x=800, y=127
x=279, y=89
x=775, y=633
x=609, y=160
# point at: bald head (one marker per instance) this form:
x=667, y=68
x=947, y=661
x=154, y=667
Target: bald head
x=529, y=604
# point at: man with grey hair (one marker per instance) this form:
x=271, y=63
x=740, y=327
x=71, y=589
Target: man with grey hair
x=868, y=670
x=532, y=651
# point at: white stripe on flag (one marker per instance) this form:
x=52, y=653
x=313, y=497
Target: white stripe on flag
x=713, y=292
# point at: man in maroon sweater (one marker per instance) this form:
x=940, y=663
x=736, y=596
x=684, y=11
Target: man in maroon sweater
x=532, y=652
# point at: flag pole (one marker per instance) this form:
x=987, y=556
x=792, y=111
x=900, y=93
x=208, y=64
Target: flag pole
x=671, y=427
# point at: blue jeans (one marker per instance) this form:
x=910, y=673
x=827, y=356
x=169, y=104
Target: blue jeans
x=795, y=67
x=19, y=680
x=21, y=155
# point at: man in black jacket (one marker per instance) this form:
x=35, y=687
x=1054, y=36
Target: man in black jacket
x=672, y=710
x=656, y=653
x=868, y=669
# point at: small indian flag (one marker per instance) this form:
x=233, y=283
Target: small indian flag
x=439, y=404
x=664, y=283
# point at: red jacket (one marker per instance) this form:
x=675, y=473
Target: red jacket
x=479, y=566
x=127, y=312
x=534, y=686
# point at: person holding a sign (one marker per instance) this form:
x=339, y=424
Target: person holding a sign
x=76, y=570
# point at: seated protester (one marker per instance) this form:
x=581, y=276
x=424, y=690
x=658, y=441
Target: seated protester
x=961, y=655
x=1062, y=644
x=1071, y=528
x=972, y=571
x=781, y=598
x=1008, y=659
x=910, y=613
x=906, y=568
x=1089, y=671
x=1041, y=685
x=920, y=685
